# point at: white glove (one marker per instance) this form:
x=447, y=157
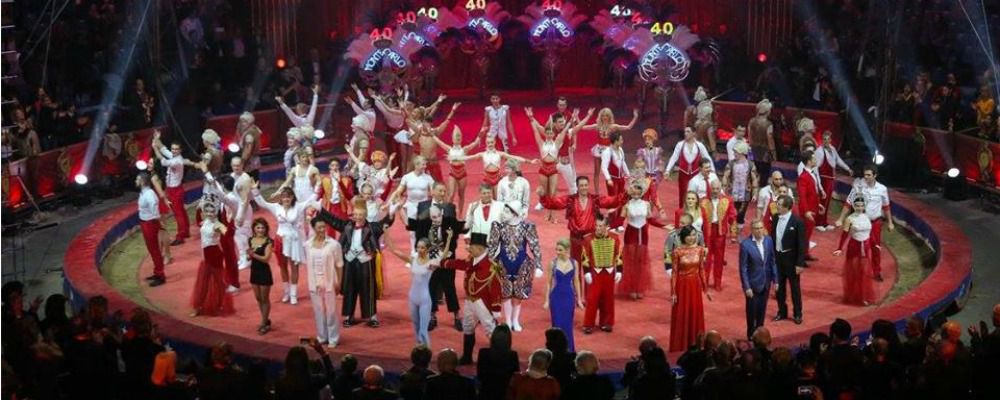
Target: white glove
x=587, y=278
x=538, y=273
x=618, y=277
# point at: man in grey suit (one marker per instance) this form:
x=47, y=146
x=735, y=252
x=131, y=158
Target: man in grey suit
x=790, y=248
x=758, y=269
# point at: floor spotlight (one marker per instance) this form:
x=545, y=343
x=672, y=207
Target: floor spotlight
x=878, y=159
x=80, y=179
x=954, y=185
x=233, y=148
x=141, y=165
x=319, y=134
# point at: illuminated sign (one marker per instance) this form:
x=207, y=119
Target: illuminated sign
x=664, y=58
x=380, y=55
x=558, y=24
x=483, y=24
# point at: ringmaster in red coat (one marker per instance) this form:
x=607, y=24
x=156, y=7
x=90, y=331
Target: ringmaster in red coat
x=602, y=269
x=482, y=292
x=809, y=196
x=718, y=217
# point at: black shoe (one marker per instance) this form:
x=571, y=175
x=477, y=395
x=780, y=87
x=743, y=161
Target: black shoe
x=157, y=282
x=151, y=277
x=607, y=328
x=373, y=323
x=432, y=324
x=798, y=320
x=177, y=242
x=811, y=258
x=779, y=318
x=458, y=324
x=349, y=322
x=588, y=330
x=878, y=277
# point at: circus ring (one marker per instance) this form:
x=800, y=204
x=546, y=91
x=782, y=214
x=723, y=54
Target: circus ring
x=389, y=345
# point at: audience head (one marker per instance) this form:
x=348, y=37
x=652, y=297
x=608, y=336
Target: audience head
x=447, y=361
x=222, y=355
x=420, y=356
x=540, y=360
x=762, y=338
x=818, y=342
x=587, y=363
x=655, y=362
x=501, y=340
x=996, y=315
x=712, y=339
x=55, y=307
x=373, y=376
x=951, y=331
x=141, y=323
x=914, y=327
x=647, y=343
x=297, y=362
x=555, y=341
x=782, y=357
x=348, y=364
x=840, y=330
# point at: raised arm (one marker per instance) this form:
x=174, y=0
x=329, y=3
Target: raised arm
x=438, y=129
x=396, y=252
x=631, y=124
x=536, y=128
x=288, y=111
x=514, y=157
x=311, y=116
x=471, y=146
x=431, y=109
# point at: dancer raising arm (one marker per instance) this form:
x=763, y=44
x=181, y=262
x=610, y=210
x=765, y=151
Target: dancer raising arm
x=363, y=124
x=456, y=158
x=301, y=116
x=550, y=139
x=290, y=213
x=426, y=135
x=421, y=264
x=493, y=160
x=605, y=126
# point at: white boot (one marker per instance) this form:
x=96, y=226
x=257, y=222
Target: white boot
x=294, y=295
x=538, y=207
x=507, y=311
x=284, y=293
x=517, y=317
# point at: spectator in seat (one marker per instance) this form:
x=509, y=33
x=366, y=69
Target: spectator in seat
x=496, y=365
x=139, y=351
x=562, y=366
x=658, y=381
x=448, y=383
x=840, y=366
x=535, y=383
x=587, y=385
x=296, y=381
x=348, y=379
x=634, y=368
x=413, y=381
x=221, y=379
x=372, y=387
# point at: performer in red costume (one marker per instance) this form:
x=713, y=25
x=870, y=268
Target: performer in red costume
x=581, y=210
x=686, y=158
x=602, y=267
x=482, y=292
x=876, y=197
x=719, y=217
x=614, y=167
x=149, y=222
x=809, y=196
x=828, y=161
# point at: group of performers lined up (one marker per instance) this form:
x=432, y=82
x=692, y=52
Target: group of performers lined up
x=334, y=223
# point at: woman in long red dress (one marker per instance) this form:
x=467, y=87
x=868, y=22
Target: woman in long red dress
x=858, y=288
x=638, y=213
x=209, y=296
x=687, y=284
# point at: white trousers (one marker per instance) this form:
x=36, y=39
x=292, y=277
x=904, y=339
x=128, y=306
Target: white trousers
x=477, y=312
x=568, y=173
x=325, y=313
x=242, y=239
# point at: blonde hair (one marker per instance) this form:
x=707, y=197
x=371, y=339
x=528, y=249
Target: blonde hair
x=564, y=243
x=211, y=137
x=605, y=112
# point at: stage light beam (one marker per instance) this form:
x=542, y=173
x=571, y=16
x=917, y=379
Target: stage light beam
x=878, y=159
x=81, y=179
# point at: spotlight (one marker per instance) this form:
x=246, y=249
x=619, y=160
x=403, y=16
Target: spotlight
x=233, y=148
x=280, y=63
x=762, y=58
x=319, y=134
x=878, y=159
x=141, y=165
x=80, y=179
x=954, y=185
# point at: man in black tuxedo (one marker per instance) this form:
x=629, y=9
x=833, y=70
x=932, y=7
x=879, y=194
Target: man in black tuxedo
x=434, y=225
x=791, y=246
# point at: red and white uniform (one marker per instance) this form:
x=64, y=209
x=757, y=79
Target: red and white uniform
x=602, y=259
x=565, y=164
x=809, y=192
x=701, y=186
x=482, y=292
x=149, y=222
x=718, y=217
x=828, y=160
x=877, y=209
x=175, y=191
x=687, y=157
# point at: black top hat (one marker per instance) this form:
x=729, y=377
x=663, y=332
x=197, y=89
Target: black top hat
x=478, y=239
